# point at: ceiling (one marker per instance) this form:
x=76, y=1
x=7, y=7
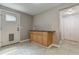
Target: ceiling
x=31, y=8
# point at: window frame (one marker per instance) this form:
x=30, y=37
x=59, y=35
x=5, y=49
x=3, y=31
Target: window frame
x=7, y=13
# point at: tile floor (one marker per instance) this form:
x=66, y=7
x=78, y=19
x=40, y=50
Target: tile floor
x=67, y=48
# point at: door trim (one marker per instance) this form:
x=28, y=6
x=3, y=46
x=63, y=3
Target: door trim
x=18, y=16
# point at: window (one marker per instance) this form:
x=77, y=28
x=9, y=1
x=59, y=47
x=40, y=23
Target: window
x=10, y=17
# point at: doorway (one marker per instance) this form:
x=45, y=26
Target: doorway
x=9, y=28
x=0, y=28
x=69, y=23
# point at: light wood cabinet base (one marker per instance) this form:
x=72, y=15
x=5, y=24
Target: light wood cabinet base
x=44, y=38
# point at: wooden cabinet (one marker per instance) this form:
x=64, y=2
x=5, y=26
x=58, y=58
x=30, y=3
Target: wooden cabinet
x=42, y=37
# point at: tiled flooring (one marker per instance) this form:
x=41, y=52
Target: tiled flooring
x=67, y=48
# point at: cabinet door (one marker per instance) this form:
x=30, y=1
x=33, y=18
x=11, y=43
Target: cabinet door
x=33, y=36
x=45, y=36
x=39, y=39
x=50, y=38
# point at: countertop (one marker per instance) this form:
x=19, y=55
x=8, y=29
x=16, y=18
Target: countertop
x=41, y=31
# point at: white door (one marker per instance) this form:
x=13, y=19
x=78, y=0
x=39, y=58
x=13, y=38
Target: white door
x=10, y=28
x=0, y=28
x=70, y=27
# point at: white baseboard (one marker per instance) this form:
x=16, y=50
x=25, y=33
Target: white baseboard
x=52, y=45
x=55, y=45
x=24, y=40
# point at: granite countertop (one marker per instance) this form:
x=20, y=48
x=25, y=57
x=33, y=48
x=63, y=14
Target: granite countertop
x=42, y=31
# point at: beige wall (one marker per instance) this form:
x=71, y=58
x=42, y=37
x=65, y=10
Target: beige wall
x=25, y=22
x=50, y=20
x=26, y=25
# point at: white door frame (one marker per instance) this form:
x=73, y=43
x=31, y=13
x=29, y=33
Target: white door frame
x=60, y=19
x=0, y=27
x=18, y=16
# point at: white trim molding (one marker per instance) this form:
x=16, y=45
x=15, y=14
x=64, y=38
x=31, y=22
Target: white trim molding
x=53, y=45
x=24, y=40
